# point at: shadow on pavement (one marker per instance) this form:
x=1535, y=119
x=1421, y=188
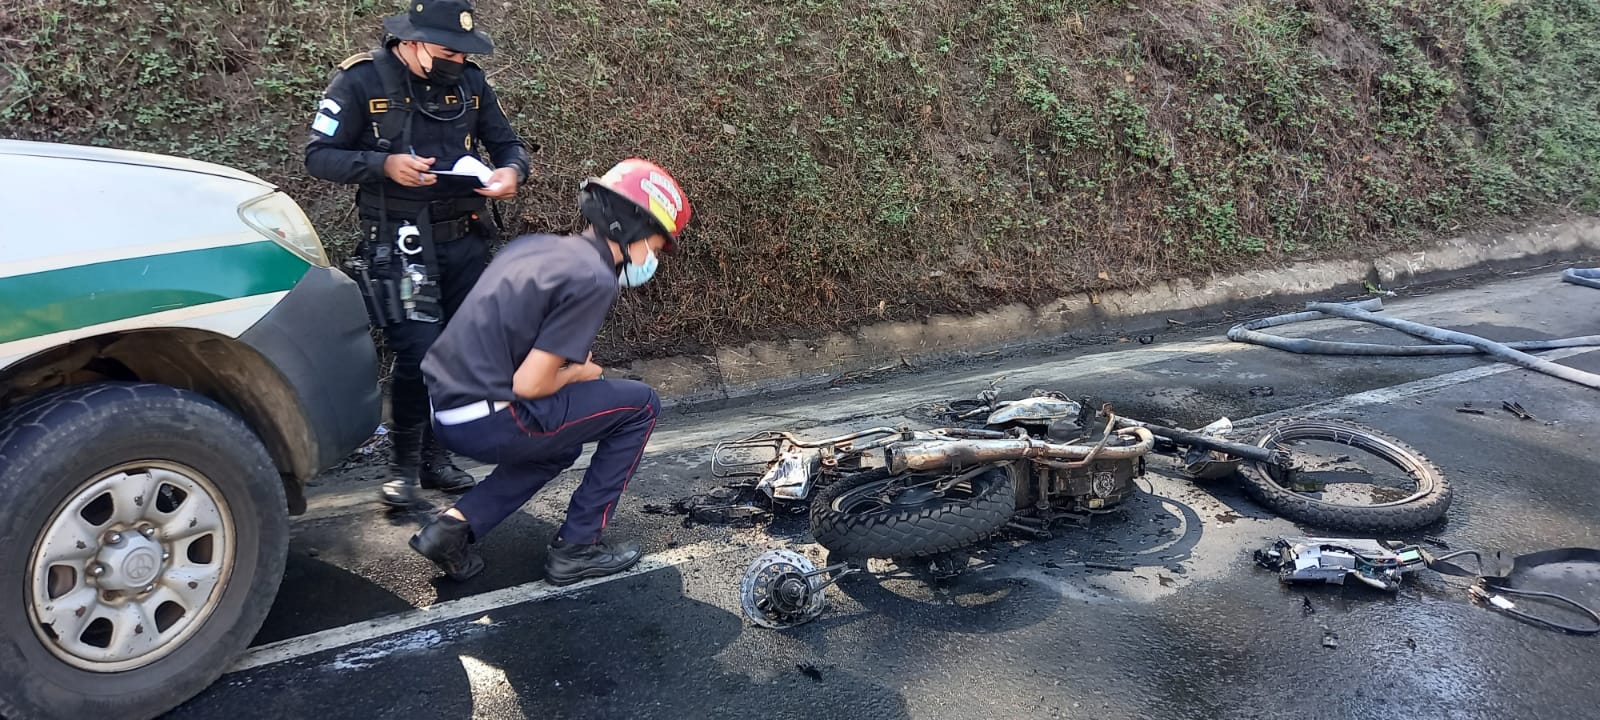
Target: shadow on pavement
x=633, y=648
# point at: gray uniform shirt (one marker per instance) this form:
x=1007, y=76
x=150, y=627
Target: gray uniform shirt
x=550, y=292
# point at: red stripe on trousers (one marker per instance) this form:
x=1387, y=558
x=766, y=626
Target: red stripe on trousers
x=605, y=515
x=570, y=423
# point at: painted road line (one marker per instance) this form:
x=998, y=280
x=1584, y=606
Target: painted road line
x=1381, y=396
x=370, y=630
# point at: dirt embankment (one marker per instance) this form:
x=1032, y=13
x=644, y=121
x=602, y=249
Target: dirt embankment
x=856, y=161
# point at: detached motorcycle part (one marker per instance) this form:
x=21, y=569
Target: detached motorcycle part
x=1332, y=560
x=782, y=589
x=876, y=514
x=791, y=477
x=1209, y=465
x=1501, y=577
x=1270, y=484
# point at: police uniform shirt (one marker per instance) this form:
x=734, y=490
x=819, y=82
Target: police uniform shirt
x=541, y=291
x=343, y=141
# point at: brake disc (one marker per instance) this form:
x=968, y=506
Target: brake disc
x=782, y=589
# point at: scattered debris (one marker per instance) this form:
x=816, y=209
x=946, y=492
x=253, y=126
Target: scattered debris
x=1109, y=566
x=810, y=671
x=1229, y=517
x=1306, y=608
x=312, y=552
x=1411, y=643
x=873, y=373
x=1333, y=560
x=739, y=505
x=1330, y=639
x=1200, y=359
x=1179, y=323
x=1166, y=581
x=1470, y=410
x=1053, y=565
x=1262, y=391
x=1515, y=408
x=1146, y=339
x=1436, y=542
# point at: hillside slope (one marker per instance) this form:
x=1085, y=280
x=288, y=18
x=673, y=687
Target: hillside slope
x=856, y=160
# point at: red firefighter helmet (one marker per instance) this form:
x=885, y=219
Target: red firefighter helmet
x=646, y=185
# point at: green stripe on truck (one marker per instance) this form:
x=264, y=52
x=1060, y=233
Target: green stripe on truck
x=74, y=297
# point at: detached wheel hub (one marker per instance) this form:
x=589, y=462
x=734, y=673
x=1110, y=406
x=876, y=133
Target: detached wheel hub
x=782, y=589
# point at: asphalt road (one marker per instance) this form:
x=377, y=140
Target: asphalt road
x=1195, y=630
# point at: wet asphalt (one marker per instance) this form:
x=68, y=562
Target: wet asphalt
x=1193, y=629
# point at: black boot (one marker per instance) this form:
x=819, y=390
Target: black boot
x=448, y=543
x=568, y=563
x=400, y=491
x=438, y=472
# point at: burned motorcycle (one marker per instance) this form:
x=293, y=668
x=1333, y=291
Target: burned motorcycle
x=901, y=493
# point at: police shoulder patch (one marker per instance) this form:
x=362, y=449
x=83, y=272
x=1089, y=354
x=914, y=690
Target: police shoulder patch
x=355, y=60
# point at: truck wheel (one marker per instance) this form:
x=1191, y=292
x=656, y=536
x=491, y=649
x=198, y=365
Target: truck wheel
x=142, y=540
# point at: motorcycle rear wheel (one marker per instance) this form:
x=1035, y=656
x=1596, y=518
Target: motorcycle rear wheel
x=873, y=515
x=1267, y=483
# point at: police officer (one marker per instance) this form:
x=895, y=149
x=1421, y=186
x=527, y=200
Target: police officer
x=389, y=120
x=513, y=381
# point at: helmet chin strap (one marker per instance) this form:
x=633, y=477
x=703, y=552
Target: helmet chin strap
x=597, y=209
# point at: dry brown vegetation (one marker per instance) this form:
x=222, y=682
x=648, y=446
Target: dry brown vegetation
x=853, y=160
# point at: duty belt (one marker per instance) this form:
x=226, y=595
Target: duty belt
x=439, y=210
x=452, y=218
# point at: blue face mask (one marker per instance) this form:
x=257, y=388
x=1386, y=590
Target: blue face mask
x=633, y=276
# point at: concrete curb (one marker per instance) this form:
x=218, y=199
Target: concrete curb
x=760, y=367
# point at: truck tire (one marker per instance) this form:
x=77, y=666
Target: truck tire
x=142, y=539
x=846, y=519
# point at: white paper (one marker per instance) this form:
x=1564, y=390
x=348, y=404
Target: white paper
x=469, y=166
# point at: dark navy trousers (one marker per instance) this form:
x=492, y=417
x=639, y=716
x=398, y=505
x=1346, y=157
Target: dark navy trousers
x=532, y=441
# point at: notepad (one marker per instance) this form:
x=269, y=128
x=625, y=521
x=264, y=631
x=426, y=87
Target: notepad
x=468, y=166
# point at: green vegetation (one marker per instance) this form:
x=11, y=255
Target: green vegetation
x=852, y=160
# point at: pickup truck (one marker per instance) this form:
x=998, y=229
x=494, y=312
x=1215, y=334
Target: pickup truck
x=177, y=358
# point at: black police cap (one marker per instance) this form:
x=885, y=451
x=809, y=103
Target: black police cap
x=441, y=22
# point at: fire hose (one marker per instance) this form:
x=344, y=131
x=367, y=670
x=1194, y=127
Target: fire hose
x=1447, y=342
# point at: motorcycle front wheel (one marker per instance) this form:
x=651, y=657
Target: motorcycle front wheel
x=904, y=516
x=1420, y=504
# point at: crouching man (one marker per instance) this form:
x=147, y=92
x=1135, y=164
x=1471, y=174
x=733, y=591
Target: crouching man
x=513, y=382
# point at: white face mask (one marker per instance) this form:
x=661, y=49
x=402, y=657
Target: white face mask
x=633, y=276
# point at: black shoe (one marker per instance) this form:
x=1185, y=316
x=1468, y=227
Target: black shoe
x=401, y=489
x=568, y=563
x=448, y=543
x=438, y=471
x=443, y=475
x=405, y=463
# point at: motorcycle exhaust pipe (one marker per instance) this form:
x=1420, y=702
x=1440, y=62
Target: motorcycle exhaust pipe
x=937, y=454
